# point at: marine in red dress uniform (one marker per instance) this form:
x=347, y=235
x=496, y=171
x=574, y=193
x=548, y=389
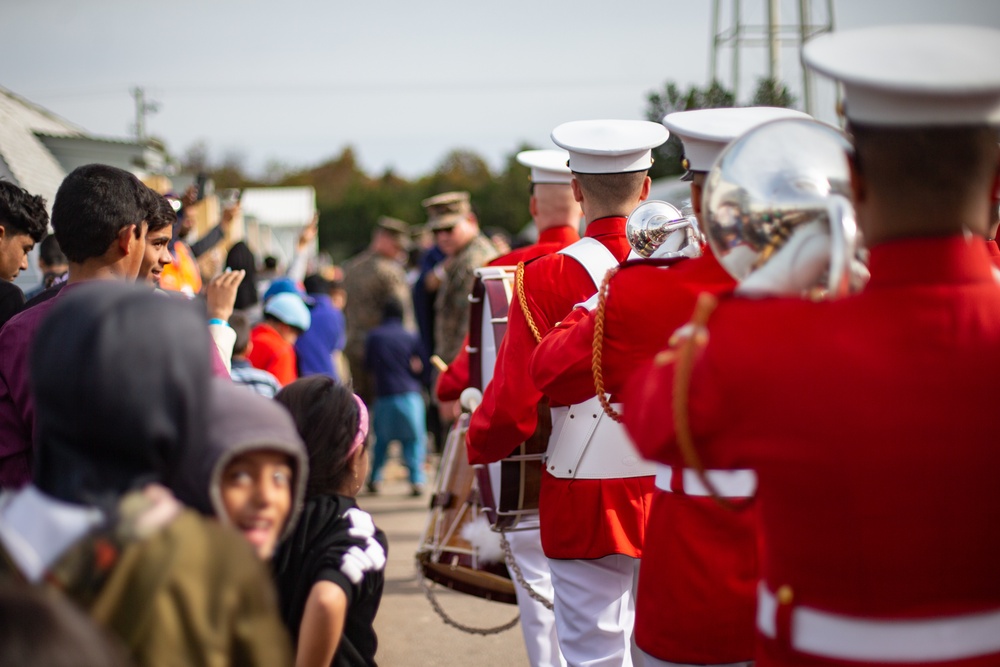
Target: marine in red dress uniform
x=581, y=519
x=557, y=214
x=697, y=583
x=698, y=575
x=553, y=285
x=863, y=417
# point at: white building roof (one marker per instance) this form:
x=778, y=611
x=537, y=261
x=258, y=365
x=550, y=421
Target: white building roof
x=26, y=158
x=280, y=207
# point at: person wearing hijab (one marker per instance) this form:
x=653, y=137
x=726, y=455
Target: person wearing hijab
x=121, y=381
x=252, y=473
x=330, y=572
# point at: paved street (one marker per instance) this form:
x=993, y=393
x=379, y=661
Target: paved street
x=410, y=633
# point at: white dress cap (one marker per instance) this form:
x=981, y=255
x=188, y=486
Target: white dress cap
x=547, y=166
x=609, y=146
x=705, y=133
x=913, y=75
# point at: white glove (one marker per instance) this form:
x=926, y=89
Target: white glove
x=470, y=399
x=678, y=243
x=591, y=303
x=795, y=268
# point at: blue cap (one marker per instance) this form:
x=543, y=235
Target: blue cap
x=290, y=309
x=285, y=285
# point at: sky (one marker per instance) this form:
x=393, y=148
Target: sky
x=402, y=82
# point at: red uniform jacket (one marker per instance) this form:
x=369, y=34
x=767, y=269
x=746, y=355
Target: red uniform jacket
x=456, y=378
x=863, y=418
x=698, y=578
x=579, y=519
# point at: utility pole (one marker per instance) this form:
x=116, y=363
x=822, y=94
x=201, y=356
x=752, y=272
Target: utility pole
x=773, y=43
x=773, y=34
x=142, y=109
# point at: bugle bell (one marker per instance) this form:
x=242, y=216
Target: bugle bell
x=659, y=229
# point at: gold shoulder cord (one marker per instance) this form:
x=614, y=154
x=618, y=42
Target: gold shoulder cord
x=519, y=287
x=682, y=384
x=598, y=347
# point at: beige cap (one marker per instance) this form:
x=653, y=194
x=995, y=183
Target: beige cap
x=446, y=209
x=394, y=225
x=398, y=228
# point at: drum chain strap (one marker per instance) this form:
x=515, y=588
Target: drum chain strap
x=519, y=288
x=685, y=357
x=596, y=365
x=508, y=557
x=432, y=598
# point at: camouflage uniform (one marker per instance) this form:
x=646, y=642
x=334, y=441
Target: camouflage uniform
x=370, y=280
x=451, y=305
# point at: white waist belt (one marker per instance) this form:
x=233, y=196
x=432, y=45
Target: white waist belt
x=587, y=444
x=728, y=483
x=829, y=635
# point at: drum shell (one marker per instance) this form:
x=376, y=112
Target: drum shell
x=513, y=502
x=444, y=555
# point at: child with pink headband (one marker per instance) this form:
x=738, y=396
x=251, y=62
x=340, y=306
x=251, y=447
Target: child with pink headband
x=330, y=572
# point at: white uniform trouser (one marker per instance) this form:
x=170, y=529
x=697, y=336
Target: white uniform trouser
x=538, y=624
x=595, y=610
x=656, y=662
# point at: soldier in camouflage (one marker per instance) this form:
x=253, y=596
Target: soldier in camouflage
x=456, y=231
x=370, y=279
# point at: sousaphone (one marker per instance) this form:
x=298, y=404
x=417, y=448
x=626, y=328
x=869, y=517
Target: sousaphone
x=775, y=180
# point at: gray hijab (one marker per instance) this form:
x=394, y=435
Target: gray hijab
x=241, y=421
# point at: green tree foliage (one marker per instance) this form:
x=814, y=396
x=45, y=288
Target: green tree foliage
x=659, y=103
x=772, y=93
x=350, y=201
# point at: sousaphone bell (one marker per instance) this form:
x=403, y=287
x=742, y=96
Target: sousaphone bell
x=780, y=179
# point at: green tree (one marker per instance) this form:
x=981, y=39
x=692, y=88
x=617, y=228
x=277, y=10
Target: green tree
x=772, y=93
x=503, y=202
x=461, y=169
x=659, y=103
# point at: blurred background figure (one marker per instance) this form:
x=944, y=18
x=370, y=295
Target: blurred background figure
x=286, y=317
x=40, y=627
x=456, y=232
x=392, y=355
x=184, y=274
x=371, y=278
x=52, y=263
x=319, y=346
x=243, y=372
x=247, y=300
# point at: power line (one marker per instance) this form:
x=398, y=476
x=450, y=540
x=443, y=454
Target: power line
x=347, y=88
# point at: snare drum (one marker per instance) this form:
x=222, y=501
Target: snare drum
x=445, y=556
x=509, y=488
